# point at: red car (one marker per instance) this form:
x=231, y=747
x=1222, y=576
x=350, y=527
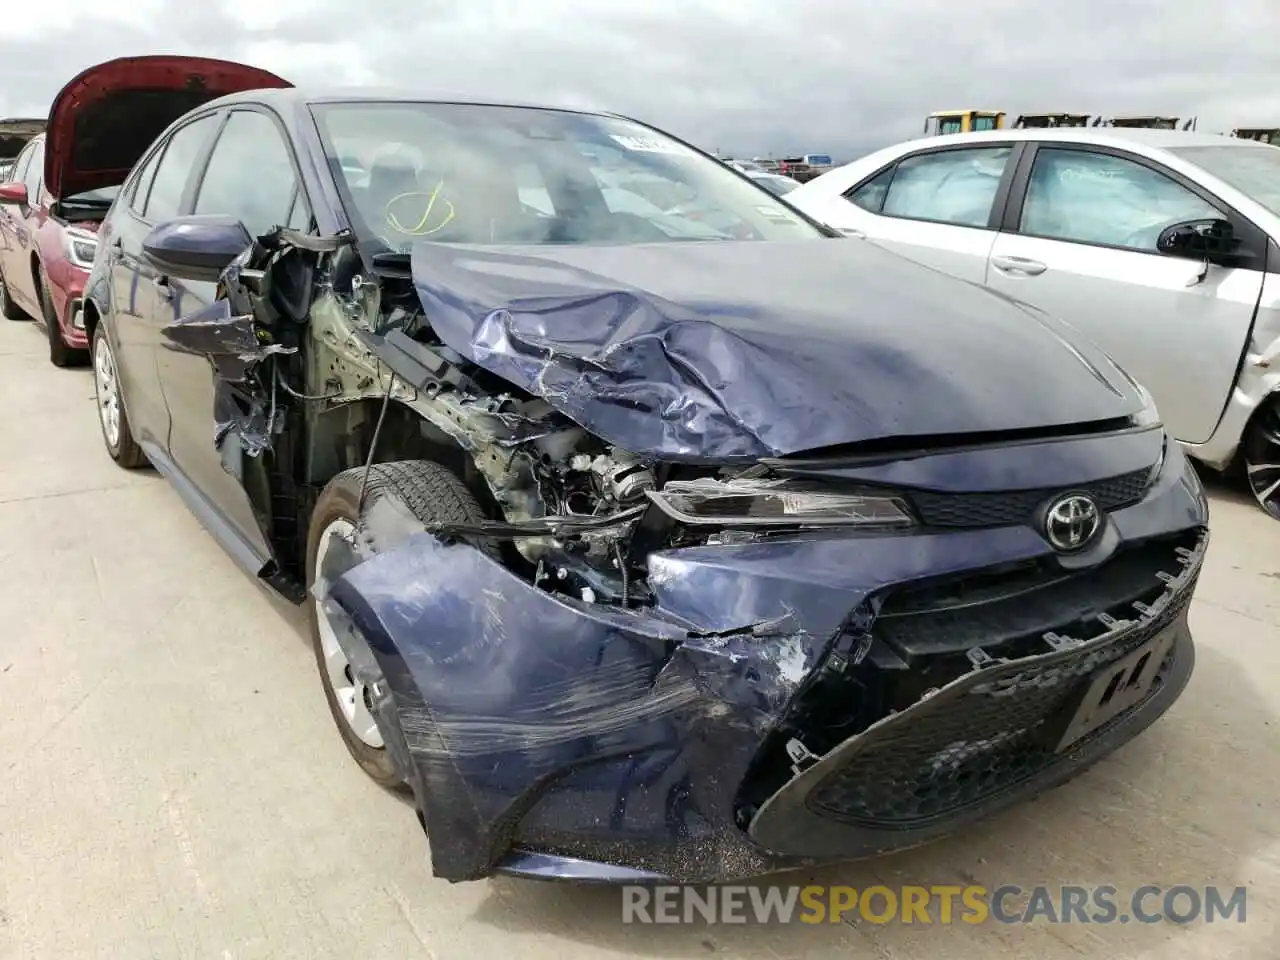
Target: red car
x=62, y=184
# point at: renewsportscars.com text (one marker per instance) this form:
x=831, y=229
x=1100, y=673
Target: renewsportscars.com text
x=939, y=903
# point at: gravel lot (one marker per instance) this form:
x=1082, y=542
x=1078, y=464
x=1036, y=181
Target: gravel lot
x=171, y=786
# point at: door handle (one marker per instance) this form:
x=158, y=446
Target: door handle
x=162, y=288
x=1023, y=265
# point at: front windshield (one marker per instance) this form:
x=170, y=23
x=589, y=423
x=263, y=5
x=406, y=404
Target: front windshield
x=465, y=173
x=1253, y=169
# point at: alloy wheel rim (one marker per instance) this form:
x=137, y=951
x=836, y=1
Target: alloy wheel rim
x=107, y=390
x=354, y=698
x=1262, y=458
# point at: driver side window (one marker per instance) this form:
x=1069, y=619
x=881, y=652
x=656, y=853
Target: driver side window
x=1100, y=199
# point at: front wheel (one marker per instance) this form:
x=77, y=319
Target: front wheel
x=1262, y=455
x=60, y=355
x=116, y=433
x=428, y=492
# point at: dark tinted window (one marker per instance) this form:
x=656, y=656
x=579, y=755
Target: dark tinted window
x=250, y=174
x=180, y=155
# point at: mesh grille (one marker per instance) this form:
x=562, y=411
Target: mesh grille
x=985, y=741
x=1019, y=506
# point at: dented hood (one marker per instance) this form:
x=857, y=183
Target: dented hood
x=102, y=122
x=724, y=350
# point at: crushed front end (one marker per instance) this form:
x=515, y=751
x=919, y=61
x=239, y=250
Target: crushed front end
x=690, y=683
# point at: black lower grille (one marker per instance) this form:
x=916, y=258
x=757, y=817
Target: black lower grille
x=1019, y=506
x=994, y=734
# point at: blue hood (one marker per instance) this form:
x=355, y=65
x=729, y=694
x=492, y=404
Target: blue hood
x=722, y=350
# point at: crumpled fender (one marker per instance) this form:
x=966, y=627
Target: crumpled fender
x=501, y=689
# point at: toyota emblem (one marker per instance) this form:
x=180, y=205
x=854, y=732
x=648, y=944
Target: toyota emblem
x=1072, y=521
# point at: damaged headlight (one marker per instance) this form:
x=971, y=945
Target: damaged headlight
x=80, y=246
x=750, y=503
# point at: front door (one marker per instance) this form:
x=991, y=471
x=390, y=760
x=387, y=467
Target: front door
x=1085, y=252
x=250, y=175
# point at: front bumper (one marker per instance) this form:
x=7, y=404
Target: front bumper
x=548, y=738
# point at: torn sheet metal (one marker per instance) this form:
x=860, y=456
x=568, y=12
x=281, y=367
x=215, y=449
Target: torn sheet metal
x=234, y=348
x=702, y=351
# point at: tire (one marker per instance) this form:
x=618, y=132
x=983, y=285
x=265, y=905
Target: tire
x=123, y=449
x=8, y=306
x=60, y=355
x=1261, y=454
x=430, y=493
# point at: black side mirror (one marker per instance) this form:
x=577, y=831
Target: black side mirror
x=197, y=247
x=1210, y=240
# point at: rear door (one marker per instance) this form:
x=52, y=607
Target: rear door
x=938, y=206
x=1080, y=243
x=250, y=174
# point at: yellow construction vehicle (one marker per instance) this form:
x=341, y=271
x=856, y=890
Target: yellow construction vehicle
x=1261, y=134
x=962, y=121
x=1037, y=120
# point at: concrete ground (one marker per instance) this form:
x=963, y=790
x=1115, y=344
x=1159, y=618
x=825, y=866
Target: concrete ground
x=171, y=786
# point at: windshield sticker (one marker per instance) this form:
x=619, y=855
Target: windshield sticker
x=648, y=145
x=776, y=215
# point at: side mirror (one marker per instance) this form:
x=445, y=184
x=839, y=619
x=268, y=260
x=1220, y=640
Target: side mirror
x=1208, y=240
x=13, y=194
x=197, y=247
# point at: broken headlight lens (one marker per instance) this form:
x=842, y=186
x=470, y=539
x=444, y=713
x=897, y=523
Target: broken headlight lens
x=80, y=246
x=752, y=503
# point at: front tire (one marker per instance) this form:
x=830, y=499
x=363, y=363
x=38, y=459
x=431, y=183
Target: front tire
x=60, y=355
x=430, y=493
x=117, y=435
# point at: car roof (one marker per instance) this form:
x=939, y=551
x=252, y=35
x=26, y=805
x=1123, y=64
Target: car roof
x=292, y=96
x=1102, y=136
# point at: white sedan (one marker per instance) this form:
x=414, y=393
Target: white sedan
x=1162, y=246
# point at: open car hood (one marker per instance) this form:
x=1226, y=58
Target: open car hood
x=102, y=122
x=724, y=350
x=14, y=134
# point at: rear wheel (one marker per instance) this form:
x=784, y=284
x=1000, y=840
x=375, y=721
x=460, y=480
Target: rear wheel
x=60, y=355
x=116, y=433
x=8, y=306
x=1262, y=455
x=430, y=493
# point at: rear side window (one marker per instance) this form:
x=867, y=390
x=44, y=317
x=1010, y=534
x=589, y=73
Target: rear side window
x=180, y=156
x=870, y=196
x=250, y=174
x=142, y=186
x=949, y=186
x=1097, y=198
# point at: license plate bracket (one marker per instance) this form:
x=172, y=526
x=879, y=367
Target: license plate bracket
x=1115, y=688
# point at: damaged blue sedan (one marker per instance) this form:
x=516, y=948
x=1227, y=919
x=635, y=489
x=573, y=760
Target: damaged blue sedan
x=636, y=548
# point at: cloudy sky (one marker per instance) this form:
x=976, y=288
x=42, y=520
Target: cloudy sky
x=744, y=77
